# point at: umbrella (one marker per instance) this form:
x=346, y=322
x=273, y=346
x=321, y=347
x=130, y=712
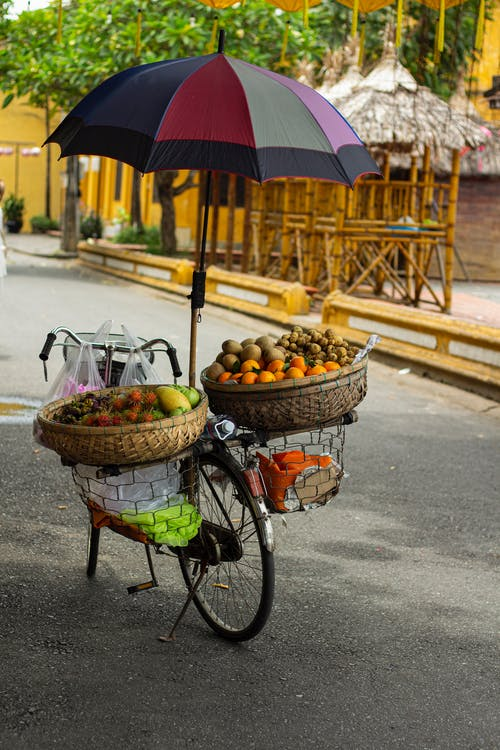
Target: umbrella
x=214, y=112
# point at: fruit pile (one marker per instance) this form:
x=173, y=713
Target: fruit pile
x=296, y=354
x=130, y=406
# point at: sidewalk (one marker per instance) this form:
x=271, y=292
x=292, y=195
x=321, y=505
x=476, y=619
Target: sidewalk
x=476, y=302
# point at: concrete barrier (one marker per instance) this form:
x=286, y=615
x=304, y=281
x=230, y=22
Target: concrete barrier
x=164, y=273
x=256, y=295
x=455, y=350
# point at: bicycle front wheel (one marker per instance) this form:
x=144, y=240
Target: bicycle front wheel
x=235, y=595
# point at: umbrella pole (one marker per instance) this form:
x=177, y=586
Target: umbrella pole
x=197, y=295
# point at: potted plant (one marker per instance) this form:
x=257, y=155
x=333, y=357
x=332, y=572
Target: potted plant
x=13, y=209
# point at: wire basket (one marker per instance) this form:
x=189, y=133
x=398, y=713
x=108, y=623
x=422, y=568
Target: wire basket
x=123, y=444
x=288, y=405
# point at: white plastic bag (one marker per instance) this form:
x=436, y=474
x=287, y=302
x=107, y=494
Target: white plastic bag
x=138, y=369
x=142, y=489
x=78, y=374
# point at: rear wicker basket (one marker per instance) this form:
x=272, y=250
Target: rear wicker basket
x=289, y=405
x=123, y=444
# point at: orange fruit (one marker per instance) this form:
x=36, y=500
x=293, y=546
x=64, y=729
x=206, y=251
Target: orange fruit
x=316, y=370
x=249, y=378
x=279, y=375
x=294, y=372
x=225, y=376
x=299, y=362
x=276, y=365
x=331, y=365
x=265, y=377
x=248, y=365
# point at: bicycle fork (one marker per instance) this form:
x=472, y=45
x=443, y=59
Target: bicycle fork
x=253, y=481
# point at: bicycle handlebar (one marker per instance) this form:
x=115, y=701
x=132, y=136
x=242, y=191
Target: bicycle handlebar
x=47, y=347
x=148, y=345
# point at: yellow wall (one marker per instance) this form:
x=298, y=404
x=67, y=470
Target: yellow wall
x=97, y=187
x=21, y=128
x=488, y=66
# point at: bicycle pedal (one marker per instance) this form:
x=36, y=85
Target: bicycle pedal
x=141, y=587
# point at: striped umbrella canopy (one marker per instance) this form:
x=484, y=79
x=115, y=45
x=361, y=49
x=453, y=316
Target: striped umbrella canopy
x=218, y=113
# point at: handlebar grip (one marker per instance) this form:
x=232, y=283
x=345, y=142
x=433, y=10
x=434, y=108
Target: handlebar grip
x=172, y=355
x=49, y=342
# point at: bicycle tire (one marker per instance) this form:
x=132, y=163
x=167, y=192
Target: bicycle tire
x=92, y=549
x=235, y=596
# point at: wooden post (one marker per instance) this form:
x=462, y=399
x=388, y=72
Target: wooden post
x=450, y=229
x=231, y=207
x=426, y=166
x=309, y=261
x=286, y=241
x=215, y=218
x=412, y=208
x=386, y=171
x=247, y=228
x=338, y=241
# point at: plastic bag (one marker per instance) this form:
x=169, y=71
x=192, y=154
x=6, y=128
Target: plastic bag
x=78, y=374
x=295, y=480
x=148, y=498
x=138, y=369
x=372, y=341
x=144, y=489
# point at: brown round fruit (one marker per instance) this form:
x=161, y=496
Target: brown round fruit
x=214, y=371
x=252, y=351
x=273, y=353
x=246, y=342
x=229, y=361
x=265, y=342
x=230, y=346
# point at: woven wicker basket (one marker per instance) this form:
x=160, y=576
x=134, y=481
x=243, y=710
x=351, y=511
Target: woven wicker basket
x=123, y=444
x=289, y=405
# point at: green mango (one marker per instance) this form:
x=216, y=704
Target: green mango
x=191, y=394
x=179, y=410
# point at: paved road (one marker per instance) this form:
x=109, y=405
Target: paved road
x=383, y=633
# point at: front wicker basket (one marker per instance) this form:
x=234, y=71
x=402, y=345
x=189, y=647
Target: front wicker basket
x=123, y=444
x=289, y=405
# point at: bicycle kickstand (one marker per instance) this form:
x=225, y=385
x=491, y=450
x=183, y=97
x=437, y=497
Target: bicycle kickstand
x=153, y=583
x=171, y=635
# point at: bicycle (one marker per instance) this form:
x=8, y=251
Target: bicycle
x=228, y=566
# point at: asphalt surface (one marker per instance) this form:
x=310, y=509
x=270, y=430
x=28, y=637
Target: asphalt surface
x=384, y=629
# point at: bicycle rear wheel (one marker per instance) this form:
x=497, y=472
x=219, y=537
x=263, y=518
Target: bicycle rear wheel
x=236, y=594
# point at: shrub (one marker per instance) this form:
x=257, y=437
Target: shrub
x=41, y=224
x=91, y=226
x=150, y=236
x=13, y=208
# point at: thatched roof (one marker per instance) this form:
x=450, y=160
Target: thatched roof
x=391, y=112
x=341, y=73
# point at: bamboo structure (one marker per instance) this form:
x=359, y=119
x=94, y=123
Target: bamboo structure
x=389, y=238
